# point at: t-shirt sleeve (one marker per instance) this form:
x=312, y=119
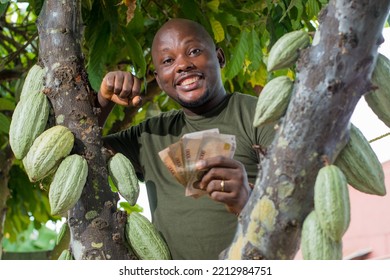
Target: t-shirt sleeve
x=126, y=142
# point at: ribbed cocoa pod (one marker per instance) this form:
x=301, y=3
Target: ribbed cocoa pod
x=47, y=151
x=379, y=99
x=29, y=120
x=144, y=239
x=124, y=177
x=360, y=164
x=331, y=201
x=65, y=255
x=285, y=51
x=273, y=101
x=68, y=183
x=33, y=81
x=315, y=244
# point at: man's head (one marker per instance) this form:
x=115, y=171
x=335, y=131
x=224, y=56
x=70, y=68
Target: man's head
x=187, y=64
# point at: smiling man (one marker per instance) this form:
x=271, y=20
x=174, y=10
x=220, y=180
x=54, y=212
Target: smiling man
x=187, y=67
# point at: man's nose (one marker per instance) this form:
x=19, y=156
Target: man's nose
x=184, y=64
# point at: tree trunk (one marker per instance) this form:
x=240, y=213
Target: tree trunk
x=97, y=227
x=332, y=75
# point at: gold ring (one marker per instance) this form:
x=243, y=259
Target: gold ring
x=222, y=186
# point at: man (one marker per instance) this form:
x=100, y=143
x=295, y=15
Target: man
x=187, y=67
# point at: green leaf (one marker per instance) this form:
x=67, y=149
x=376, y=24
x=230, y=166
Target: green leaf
x=219, y=33
x=128, y=208
x=4, y=123
x=213, y=5
x=237, y=58
x=3, y=7
x=100, y=43
x=6, y=104
x=136, y=54
x=254, y=50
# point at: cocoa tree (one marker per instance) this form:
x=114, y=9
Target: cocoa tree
x=95, y=220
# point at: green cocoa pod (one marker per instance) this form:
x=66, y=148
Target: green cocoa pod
x=379, y=100
x=331, y=201
x=65, y=255
x=33, y=81
x=315, y=244
x=360, y=164
x=273, y=101
x=68, y=183
x=64, y=228
x=47, y=151
x=28, y=122
x=144, y=239
x=285, y=51
x=124, y=177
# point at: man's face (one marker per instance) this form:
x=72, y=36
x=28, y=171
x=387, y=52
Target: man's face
x=187, y=65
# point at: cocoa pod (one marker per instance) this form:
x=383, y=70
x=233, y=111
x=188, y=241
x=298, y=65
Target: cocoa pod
x=285, y=51
x=273, y=101
x=33, y=81
x=47, y=151
x=360, y=164
x=68, y=183
x=124, y=177
x=65, y=255
x=331, y=201
x=379, y=99
x=28, y=122
x=144, y=239
x=315, y=244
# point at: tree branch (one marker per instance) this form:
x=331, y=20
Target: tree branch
x=332, y=76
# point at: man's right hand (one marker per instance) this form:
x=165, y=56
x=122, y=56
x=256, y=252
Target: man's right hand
x=121, y=88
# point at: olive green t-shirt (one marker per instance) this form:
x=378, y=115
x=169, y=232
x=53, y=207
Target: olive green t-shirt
x=193, y=228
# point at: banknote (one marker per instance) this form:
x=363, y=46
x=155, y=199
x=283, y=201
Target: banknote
x=180, y=157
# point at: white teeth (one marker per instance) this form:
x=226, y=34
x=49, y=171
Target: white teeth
x=189, y=81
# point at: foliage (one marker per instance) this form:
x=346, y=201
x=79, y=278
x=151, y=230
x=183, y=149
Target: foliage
x=117, y=36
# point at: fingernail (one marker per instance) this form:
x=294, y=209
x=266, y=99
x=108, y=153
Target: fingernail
x=200, y=164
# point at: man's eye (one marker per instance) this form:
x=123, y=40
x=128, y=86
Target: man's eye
x=167, y=61
x=195, y=51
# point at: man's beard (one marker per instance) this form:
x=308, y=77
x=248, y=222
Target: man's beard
x=196, y=103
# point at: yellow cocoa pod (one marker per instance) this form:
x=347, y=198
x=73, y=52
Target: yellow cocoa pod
x=273, y=101
x=47, y=151
x=331, y=201
x=315, y=244
x=360, y=164
x=379, y=99
x=285, y=51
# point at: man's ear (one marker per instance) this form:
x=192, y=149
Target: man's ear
x=157, y=78
x=221, y=57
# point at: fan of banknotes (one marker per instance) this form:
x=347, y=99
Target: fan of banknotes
x=180, y=157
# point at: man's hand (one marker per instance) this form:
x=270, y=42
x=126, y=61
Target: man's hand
x=121, y=88
x=225, y=181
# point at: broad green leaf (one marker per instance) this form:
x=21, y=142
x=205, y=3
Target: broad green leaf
x=4, y=123
x=237, y=58
x=6, y=104
x=3, y=7
x=254, y=50
x=100, y=42
x=219, y=33
x=213, y=5
x=136, y=54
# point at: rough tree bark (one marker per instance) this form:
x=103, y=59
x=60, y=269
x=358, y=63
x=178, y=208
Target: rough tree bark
x=97, y=226
x=333, y=74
